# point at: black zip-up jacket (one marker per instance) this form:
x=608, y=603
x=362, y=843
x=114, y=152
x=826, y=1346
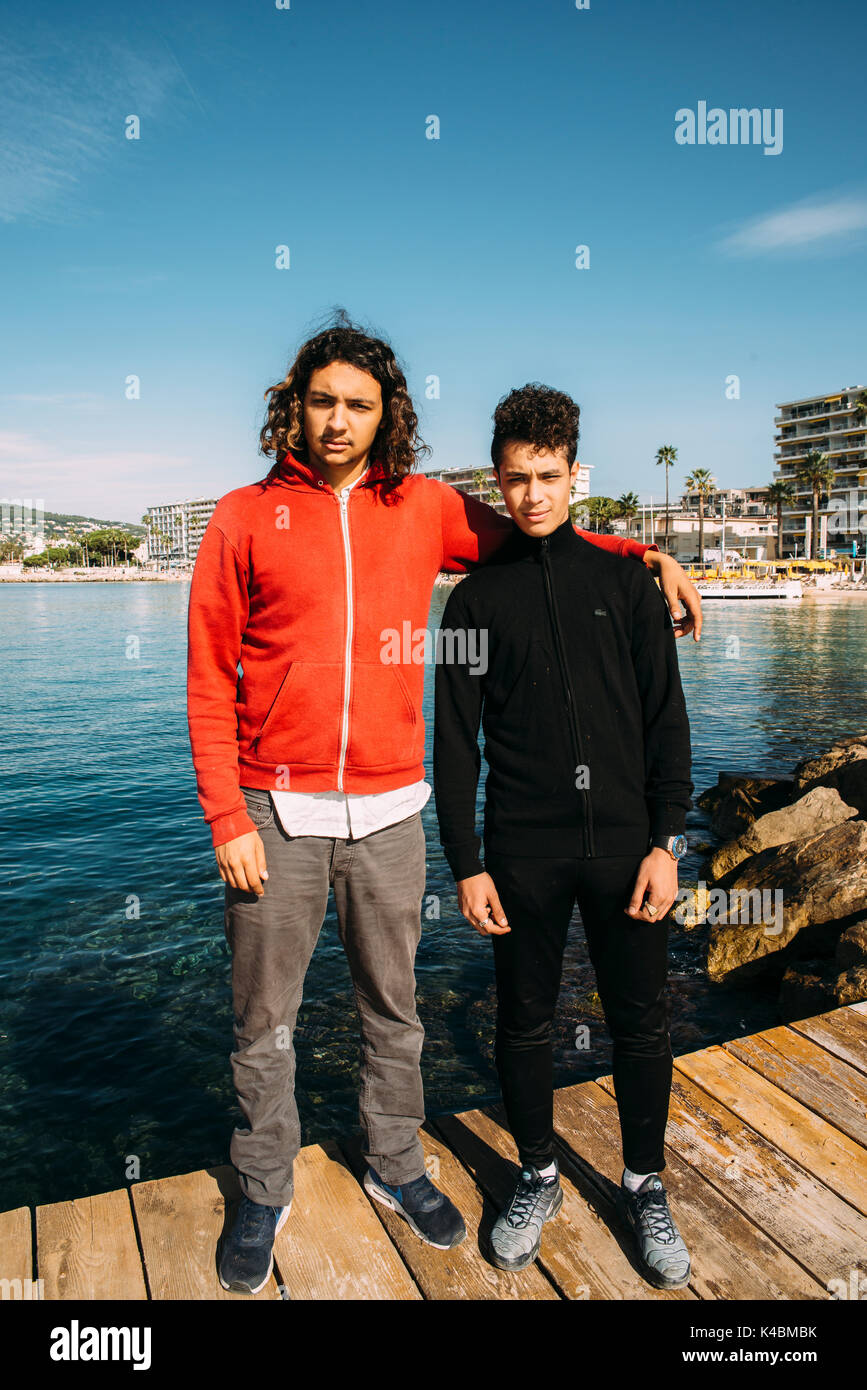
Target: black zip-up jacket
x=581, y=704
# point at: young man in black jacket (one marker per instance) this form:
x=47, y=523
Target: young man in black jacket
x=588, y=752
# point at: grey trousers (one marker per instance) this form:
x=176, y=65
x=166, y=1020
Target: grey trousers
x=378, y=884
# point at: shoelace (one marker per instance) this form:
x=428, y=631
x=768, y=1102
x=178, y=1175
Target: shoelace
x=652, y=1210
x=524, y=1201
x=252, y=1223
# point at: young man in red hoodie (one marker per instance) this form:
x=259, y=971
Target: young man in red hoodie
x=308, y=743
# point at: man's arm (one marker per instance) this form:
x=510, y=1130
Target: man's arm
x=456, y=757
x=457, y=762
x=472, y=532
x=668, y=785
x=217, y=617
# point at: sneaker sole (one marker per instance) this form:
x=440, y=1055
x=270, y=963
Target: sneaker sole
x=386, y=1200
x=659, y=1281
x=511, y=1266
x=244, y=1288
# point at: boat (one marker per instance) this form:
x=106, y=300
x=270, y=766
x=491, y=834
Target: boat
x=750, y=588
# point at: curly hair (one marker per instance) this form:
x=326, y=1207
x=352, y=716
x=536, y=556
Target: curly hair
x=397, y=445
x=536, y=415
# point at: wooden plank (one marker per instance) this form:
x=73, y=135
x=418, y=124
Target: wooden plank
x=732, y=1258
x=809, y=1074
x=462, y=1273
x=87, y=1249
x=843, y=1032
x=16, y=1256
x=180, y=1220
x=579, y=1252
x=821, y=1231
x=832, y=1157
x=333, y=1246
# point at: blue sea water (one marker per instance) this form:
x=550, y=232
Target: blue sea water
x=115, y=1006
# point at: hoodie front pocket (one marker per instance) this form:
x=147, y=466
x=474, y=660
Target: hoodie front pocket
x=303, y=723
x=384, y=727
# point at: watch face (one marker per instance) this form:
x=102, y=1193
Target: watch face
x=679, y=847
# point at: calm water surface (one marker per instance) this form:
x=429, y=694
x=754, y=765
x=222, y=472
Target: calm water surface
x=115, y=1006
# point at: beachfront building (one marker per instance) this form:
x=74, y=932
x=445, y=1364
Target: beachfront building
x=748, y=535
x=832, y=425
x=738, y=501
x=175, y=531
x=482, y=483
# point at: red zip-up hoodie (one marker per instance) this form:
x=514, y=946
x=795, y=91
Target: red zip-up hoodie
x=310, y=592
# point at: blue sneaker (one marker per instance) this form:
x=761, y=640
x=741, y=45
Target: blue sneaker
x=245, y=1255
x=428, y=1212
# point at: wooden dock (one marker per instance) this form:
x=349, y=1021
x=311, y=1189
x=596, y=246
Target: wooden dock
x=766, y=1173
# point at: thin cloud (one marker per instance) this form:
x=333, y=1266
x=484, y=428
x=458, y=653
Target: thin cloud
x=117, y=482
x=75, y=400
x=62, y=107
x=806, y=226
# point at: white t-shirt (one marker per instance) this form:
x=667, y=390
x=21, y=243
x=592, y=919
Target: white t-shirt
x=342, y=815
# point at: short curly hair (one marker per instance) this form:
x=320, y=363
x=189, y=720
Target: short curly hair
x=397, y=444
x=537, y=415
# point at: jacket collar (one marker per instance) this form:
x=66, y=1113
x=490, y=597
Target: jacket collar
x=559, y=540
x=293, y=469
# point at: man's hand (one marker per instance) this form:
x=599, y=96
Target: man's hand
x=676, y=586
x=242, y=863
x=478, y=901
x=657, y=877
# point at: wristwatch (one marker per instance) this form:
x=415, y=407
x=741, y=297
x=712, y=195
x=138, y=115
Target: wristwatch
x=675, y=845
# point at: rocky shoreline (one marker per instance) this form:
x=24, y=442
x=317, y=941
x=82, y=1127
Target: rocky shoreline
x=785, y=896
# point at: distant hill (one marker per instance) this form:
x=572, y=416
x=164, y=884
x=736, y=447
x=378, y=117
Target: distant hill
x=67, y=524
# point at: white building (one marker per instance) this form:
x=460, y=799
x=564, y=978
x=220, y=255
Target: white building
x=175, y=530
x=747, y=537
x=834, y=426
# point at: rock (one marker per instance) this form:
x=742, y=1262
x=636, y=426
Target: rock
x=735, y=802
x=851, y=986
x=852, y=945
x=798, y=890
x=806, y=989
x=843, y=766
x=812, y=813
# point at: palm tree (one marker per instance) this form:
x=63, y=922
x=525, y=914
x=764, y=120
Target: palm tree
x=702, y=481
x=779, y=492
x=481, y=480
x=601, y=510
x=860, y=407
x=817, y=474
x=627, y=506
x=666, y=455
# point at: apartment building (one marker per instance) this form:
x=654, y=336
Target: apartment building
x=175, y=530
x=834, y=425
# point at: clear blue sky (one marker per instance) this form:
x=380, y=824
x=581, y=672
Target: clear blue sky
x=306, y=126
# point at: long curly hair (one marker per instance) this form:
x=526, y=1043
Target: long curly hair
x=537, y=415
x=397, y=446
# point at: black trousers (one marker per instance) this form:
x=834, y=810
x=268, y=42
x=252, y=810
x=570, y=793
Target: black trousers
x=631, y=963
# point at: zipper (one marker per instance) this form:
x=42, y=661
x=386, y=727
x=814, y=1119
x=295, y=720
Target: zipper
x=587, y=828
x=343, y=500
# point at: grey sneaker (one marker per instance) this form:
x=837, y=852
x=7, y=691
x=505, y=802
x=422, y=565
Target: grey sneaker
x=663, y=1254
x=517, y=1232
